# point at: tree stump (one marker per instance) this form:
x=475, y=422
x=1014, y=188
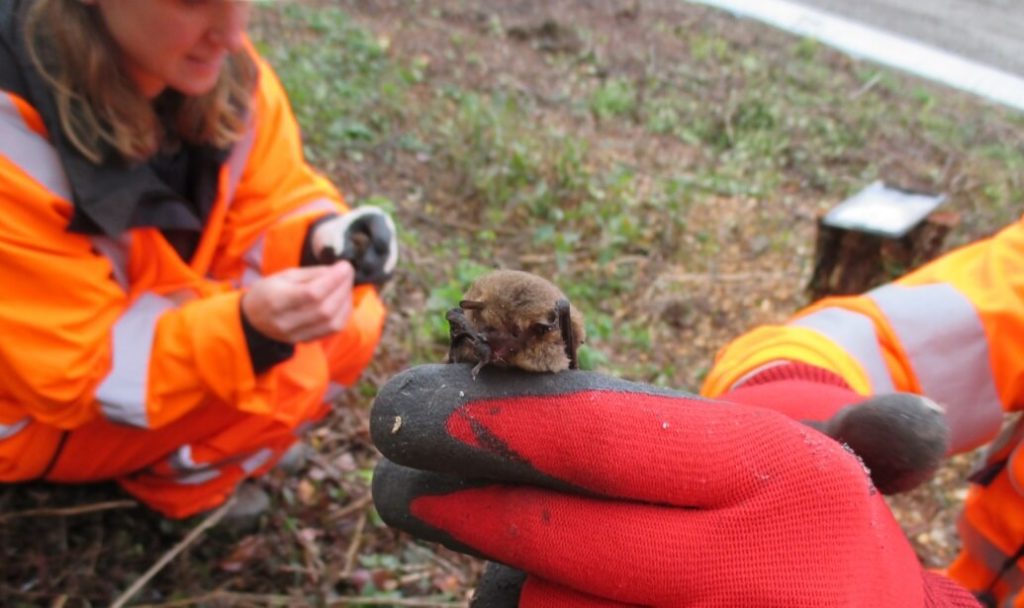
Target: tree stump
x=851, y=262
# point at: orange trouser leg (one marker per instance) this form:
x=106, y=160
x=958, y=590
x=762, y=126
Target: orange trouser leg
x=192, y=464
x=195, y=462
x=349, y=351
x=27, y=454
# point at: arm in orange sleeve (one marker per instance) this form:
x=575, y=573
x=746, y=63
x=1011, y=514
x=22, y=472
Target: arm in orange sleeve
x=278, y=195
x=949, y=330
x=278, y=198
x=77, y=344
x=58, y=306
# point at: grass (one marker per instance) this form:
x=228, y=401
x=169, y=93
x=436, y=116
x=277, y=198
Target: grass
x=668, y=180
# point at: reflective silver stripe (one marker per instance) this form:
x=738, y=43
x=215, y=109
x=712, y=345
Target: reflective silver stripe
x=116, y=251
x=10, y=430
x=238, y=159
x=189, y=472
x=257, y=460
x=253, y=256
x=946, y=344
x=854, y=333
x=982, y=550
x=249, y=276
x=334, y=390
x=123, y=392
x=29, y=151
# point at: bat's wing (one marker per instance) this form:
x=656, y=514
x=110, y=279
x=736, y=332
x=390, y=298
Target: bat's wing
x=459, y=331
x=466, y=344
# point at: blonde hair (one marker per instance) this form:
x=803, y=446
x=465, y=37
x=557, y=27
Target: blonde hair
x=100, y=107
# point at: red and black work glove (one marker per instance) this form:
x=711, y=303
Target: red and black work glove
x=609, y=493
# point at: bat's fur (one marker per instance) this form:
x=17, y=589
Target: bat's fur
x=517, y=319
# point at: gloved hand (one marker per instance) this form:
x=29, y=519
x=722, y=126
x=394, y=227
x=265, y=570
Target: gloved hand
x=607, y=493
x=366, y=237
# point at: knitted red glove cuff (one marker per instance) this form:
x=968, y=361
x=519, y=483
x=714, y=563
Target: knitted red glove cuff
x=792, y=370
x=799, y=390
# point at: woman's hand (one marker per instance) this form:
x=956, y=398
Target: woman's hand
x=301, y=304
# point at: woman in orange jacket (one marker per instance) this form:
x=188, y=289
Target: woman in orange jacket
x=952, y=330
x=182, y=292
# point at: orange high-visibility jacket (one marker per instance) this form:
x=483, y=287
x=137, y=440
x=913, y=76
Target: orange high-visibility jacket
x=113, y=323
x=952, y=330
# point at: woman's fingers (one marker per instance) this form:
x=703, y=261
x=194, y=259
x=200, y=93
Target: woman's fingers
x=301, y=304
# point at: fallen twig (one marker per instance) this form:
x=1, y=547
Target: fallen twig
x=870, y=84
x=357, y=505
x=229, y=596
x=353, y=548
x=714, y=277
x=68, y=511
x=447, y=565
x=392, y=601
x=284, y=600
x=210, y=521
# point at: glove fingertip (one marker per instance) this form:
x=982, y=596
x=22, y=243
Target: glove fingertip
x=395, y=488
x=391, y=491
x=380, y=232
x=499, y=587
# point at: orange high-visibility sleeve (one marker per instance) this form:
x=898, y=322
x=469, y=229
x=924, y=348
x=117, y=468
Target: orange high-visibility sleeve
x=949, y=330
x=277, y=197
x=58, y=305
x=990, y=275
x=278, y=194
x=62, y=306
x=199, y=351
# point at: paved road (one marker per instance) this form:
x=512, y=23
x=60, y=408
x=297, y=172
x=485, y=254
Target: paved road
x=986, y=31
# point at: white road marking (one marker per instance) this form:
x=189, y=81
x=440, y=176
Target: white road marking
x=883, y=47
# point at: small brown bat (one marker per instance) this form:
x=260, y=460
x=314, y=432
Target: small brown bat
x=511, y=318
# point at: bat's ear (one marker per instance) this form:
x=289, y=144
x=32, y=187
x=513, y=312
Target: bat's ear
x=568, y=334
x=471, y=304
